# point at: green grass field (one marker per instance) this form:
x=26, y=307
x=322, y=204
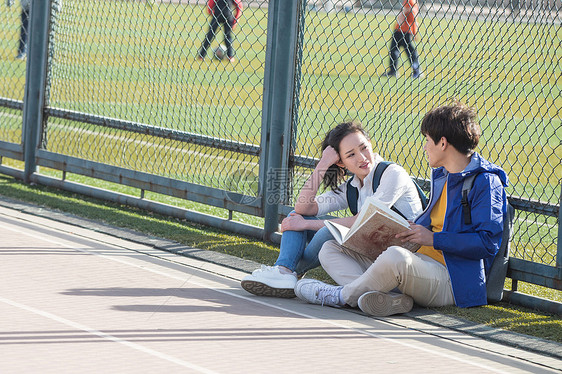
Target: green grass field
x=135, y=61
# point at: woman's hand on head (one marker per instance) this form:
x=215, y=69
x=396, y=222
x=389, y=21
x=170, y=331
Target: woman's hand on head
x=329, y=157
x=293, y=222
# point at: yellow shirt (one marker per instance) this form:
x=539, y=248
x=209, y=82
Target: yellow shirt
x=437, y=217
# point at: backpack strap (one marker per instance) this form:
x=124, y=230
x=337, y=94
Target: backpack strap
x=421, y=194
x=466, y=186
x=352, y=193
x=381, y=167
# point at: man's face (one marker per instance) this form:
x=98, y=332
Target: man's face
x=433, y=152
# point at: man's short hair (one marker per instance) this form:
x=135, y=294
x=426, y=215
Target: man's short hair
x=456, y=122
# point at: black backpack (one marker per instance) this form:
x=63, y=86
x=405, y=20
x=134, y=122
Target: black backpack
x=353, y=193
x=495, y=278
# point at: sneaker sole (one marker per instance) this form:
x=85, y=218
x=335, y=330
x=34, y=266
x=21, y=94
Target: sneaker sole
x=380, y=304
x=261, y=289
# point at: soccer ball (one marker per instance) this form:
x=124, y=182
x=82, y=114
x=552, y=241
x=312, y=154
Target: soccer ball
x=220, y=52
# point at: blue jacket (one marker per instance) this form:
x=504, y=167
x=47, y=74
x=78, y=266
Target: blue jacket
x=469, y=250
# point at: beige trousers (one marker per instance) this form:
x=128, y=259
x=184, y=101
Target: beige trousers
x=419, y=276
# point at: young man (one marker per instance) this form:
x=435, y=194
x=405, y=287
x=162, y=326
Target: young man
x=451, y=266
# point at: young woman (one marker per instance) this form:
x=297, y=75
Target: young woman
x=456, y=253
x=346, y=148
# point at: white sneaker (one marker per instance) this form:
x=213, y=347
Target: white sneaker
x=381, y=304
x=269, y=281
x=317, y=292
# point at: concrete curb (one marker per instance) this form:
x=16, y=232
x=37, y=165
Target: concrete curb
x=508, y=338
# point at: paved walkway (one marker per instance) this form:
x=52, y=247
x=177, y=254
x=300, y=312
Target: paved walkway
x=74, y=300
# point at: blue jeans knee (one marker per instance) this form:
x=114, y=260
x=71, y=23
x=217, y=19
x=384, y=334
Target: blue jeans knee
x=299, y=249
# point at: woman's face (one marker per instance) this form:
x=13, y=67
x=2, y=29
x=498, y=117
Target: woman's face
x=356, y=154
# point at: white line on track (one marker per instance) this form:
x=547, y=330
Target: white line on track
x=148, y=144
x=187, y=364
x=103, y=335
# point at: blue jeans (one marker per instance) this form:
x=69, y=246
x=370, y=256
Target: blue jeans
x=299, y=249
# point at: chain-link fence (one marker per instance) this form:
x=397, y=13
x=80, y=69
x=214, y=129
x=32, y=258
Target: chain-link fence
x=130, y=96
x=14, y=28
x=137, y=62
x=506, y=65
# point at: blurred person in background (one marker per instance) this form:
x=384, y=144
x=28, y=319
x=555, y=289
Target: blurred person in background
x=24, y=27
x=221, y=12
x=405, y=31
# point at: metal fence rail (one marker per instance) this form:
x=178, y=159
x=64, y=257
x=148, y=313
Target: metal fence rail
x=114, y=91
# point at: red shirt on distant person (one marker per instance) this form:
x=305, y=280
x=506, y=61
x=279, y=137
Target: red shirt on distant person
x=406, y=20
x=221, y=3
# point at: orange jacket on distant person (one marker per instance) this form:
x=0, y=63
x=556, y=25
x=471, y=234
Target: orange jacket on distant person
x=406, y=20
x=237, y=4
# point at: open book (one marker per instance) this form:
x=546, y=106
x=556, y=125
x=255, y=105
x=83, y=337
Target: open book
x=373, y=231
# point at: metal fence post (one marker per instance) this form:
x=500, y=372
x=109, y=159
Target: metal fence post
x=277, y=106
x=35, y=77
x=559, y=244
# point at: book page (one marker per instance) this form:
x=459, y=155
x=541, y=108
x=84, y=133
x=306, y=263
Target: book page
x=389, y=212
x=339, y=232
x=372, y=206
x=367, y=210
x=375, y=235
